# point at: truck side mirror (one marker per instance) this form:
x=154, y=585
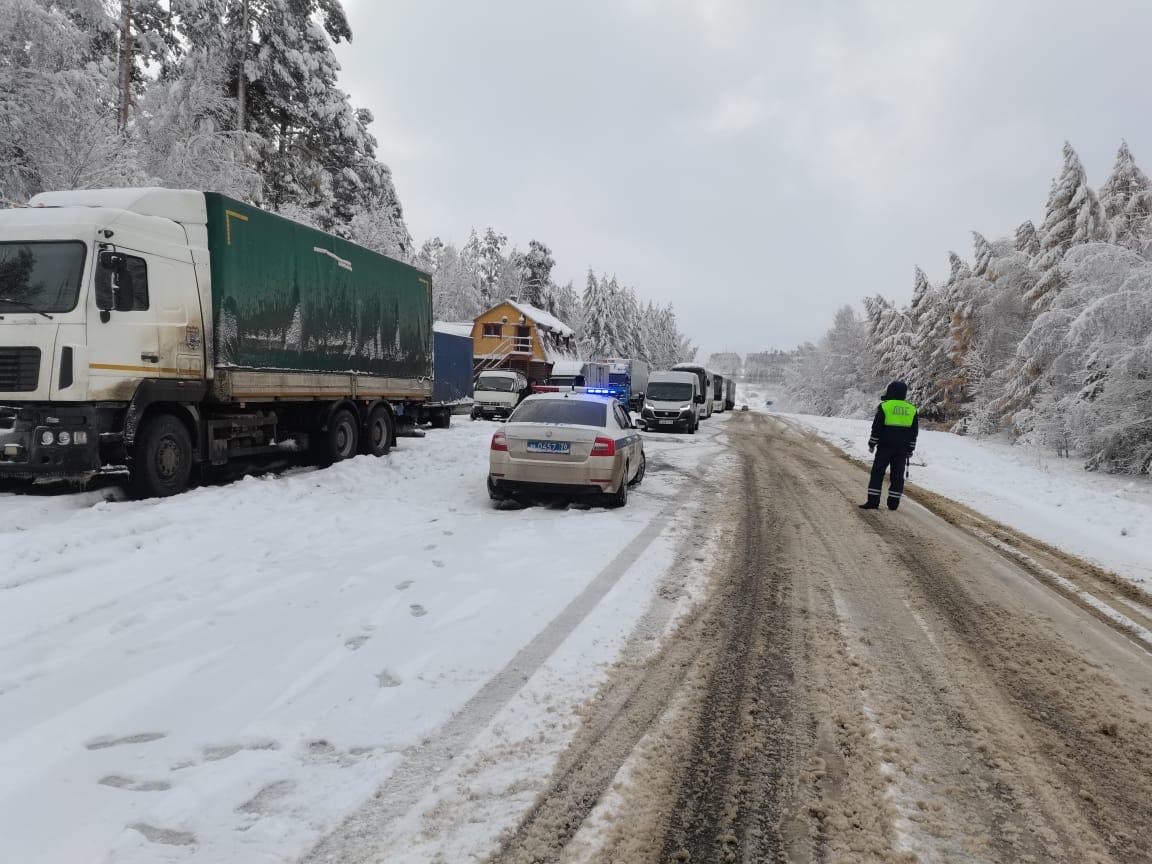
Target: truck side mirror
x=109, y=289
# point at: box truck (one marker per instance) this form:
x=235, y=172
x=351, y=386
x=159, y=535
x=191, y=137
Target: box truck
x=173, y=330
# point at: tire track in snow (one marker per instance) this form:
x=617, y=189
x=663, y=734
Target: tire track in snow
x=363, y=835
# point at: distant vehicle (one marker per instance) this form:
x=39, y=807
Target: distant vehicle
x=718, y=382
x=497, y=393
x=575, y=375
x=730, y=394
x=704, y=396
x=628, y=382
x=743, y=407
x=568, y=444
x=671, y=404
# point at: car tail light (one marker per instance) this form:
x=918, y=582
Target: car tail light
x=604, y=447
x=500, y=442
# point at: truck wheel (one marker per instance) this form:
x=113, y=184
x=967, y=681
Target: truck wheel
x=378, y=437
x=161, y=459
x=341, y=440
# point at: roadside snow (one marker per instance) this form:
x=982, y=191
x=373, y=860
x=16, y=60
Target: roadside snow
x=226, y=675
x=1104, y=519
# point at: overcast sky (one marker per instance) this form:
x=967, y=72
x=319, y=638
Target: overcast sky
x=757, y=163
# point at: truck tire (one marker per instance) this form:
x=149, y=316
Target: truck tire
x=378, y=432
x=161, y=458
x=341, y=440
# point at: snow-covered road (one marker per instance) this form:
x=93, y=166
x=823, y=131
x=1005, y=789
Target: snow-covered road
x=227, y=675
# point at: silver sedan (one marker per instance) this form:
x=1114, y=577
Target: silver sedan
x=566, y=444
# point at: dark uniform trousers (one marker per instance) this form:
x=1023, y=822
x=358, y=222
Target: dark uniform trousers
x=895, y=458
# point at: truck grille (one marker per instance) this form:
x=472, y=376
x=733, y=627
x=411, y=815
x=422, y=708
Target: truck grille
x=19, y=369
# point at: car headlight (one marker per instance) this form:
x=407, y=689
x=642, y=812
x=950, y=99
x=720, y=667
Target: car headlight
x=64, y=438
x=80, y=438
x=687, y=406
x=47, y=438
x=648, y=406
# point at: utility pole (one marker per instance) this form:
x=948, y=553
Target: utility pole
x=126, y=62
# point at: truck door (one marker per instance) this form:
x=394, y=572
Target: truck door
x=123, y=341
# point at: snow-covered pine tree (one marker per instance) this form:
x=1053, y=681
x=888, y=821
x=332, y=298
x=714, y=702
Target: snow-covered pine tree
x=932, y=317
x=1127, y=201
x=1073, y=216
x=535, y=268
x=1027, y=241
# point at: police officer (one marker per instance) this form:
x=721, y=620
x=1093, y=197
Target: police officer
x=893, y=439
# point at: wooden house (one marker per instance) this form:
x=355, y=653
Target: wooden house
x=515, y=335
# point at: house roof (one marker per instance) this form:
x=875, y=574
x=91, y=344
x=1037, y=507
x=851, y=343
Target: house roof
x=543, y=319
x=453, y=328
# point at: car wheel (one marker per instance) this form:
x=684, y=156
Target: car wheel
x=495, y=493
x=693, y=426
x=639, y=478
x=619, y=498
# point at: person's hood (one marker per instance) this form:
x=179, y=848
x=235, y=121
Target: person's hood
x=896, y=390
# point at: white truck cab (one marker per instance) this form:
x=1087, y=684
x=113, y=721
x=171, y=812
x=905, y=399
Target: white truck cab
x=497, y=392
x=671, y=403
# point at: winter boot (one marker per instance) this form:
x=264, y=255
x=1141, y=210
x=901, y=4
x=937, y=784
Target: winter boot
x=870, y=505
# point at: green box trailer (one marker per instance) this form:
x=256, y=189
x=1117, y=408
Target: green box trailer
x=290, y=297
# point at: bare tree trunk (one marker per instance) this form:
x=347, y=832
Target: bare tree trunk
x=241, y=77
x=126, y=61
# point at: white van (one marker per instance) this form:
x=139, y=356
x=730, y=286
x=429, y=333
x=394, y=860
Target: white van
x=704, y=393
x=671, y=403
x=497, y=392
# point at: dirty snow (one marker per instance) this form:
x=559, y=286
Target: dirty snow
x=1104, y=519
x=227, y=675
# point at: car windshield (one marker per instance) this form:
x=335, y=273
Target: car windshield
x=669, y=391
x=499, y=384
x=572, y=412
x=40, y=277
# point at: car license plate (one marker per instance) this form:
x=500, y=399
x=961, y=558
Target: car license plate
x=666, y=422
x=560, y=447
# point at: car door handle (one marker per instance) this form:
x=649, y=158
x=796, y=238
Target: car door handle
x=150, y=358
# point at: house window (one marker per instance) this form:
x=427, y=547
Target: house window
x=493, y=330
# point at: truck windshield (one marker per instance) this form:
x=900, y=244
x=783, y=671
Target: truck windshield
x=40, y=276
x=669, y=391
x=497, y=384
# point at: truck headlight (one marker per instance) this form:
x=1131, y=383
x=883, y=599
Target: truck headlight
x=64, y=438
x=47, y=438
x=80, y=438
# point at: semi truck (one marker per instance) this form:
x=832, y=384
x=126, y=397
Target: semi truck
x=628, y=381
x=169, y=331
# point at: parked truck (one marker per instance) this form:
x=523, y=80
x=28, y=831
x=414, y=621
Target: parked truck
x=172, y=330
x=452, y=383
x=628, y=382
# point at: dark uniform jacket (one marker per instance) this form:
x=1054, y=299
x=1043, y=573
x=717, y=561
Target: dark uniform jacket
x=889, y=436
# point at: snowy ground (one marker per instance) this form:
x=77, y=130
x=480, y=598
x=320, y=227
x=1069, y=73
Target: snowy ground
x=229, y=674
x=1104, y=519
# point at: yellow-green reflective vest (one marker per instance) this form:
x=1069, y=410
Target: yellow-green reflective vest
x=897, y=412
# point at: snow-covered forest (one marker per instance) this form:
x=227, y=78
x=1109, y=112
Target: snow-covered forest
x=101, y=93
x=1046, y=334
x=609, y=318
